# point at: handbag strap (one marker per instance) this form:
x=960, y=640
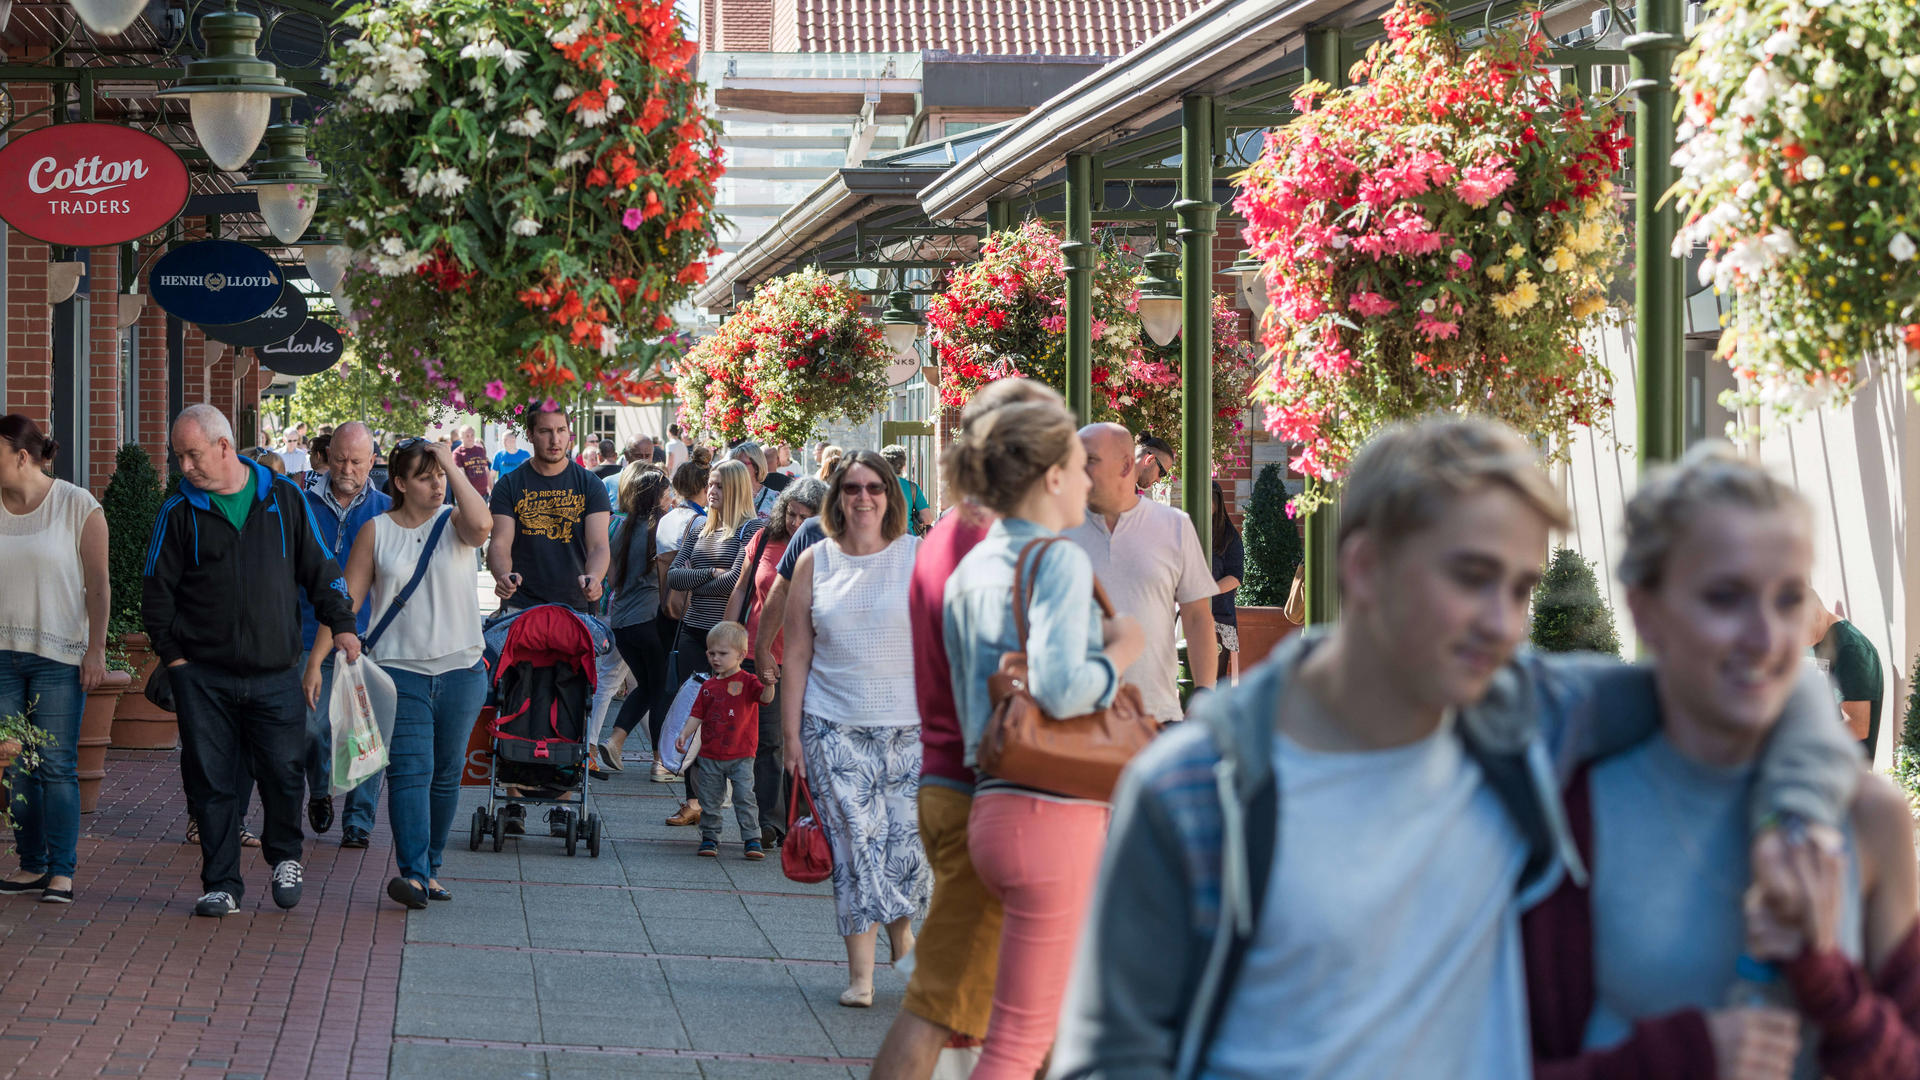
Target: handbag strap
x=419, y=574
x=1037, y=548
x=793, y=804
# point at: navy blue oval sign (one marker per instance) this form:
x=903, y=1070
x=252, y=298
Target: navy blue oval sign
x=312, y=349
x=277, y=323
x=216, y=281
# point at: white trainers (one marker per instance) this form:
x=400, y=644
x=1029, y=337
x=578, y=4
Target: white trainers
x=216, y=904
x=287, y=879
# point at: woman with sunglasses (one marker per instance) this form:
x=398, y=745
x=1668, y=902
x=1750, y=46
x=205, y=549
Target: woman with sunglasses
x=850, y=721
x=431, y=649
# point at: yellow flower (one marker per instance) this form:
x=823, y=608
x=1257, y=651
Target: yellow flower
x=1505, y=305
x=1588, y=305
x=1564, y=259
x=1517, y=251
x=1526, y=293
x=1523, y=275
x=1497, y=272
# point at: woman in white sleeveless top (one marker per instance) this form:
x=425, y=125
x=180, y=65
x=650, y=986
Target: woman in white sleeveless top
x=431, y=649
x=854, y=727
x=53, y=628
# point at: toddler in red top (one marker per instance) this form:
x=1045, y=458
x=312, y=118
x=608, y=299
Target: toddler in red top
x=726, y=714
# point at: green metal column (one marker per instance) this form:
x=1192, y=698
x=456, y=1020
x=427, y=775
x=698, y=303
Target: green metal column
x=1323, y=577
x=999, y=215
x=1197, y=211
x=1079, y=251
x=1658, y=291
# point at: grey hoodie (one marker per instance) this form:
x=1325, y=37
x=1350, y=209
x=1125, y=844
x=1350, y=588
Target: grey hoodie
x=1196, y=816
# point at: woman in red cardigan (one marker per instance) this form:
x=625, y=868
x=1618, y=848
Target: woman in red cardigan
x=1669, y=961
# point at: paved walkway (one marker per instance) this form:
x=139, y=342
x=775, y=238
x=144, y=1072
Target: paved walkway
x=644, y=962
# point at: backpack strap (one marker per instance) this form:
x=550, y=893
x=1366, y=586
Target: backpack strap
x=419, y=574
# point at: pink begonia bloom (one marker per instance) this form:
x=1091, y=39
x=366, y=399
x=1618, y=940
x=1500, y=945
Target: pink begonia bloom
x=633, y=218
x=1462, y=260
x=1371, y=304
x=1481, y=184
x=549, y=405
x=1436, y=330
x=1054, y=324
x=497, y=390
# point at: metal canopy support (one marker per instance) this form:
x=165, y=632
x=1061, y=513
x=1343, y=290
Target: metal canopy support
x=1658, y=289
x=1079, y=252
x=1197, y=210
x=999, y=215
x=1323, y=576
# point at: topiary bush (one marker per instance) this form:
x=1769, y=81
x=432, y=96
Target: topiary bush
x=1906, y=756
x=1568, y=614
x=1274, y=547
x=131, y=503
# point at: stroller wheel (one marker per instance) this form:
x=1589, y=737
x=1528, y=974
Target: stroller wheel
x=478, y=829
x=593, y=835
x=573, y=833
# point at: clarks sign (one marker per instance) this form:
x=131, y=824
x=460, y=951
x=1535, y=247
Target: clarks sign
x=312, y=349
x=90, y=185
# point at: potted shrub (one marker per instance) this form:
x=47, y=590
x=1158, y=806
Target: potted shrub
x=96, y=727
x=1274, y=552
x=1568, y=614
x=131, y=503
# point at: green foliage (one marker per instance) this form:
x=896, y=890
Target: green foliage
x=33, y=741
x=1568, y=614
x=351, y=390
x=1274, y=547
x=130, y=504
x=1906, y=756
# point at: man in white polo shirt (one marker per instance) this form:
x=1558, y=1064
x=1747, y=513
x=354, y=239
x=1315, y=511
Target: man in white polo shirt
x=1148, y=557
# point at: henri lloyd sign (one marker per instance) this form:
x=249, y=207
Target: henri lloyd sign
x=216, y=281
x=90, y=185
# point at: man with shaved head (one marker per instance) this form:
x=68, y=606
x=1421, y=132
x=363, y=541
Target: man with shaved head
x=232, y=559
x=1149, y=558
x=341, y=502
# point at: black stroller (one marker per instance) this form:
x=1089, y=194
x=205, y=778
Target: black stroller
x=543, y=685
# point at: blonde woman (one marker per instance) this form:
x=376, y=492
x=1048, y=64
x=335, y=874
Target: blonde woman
x=706, y=566
x=829, y=461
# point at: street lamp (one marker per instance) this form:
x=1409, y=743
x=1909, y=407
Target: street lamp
x=327, y=259
x=287, y=184
x=1251, y=273
x=900, y=324
x=230, y=90
x=1160, y=301
x=109, y=17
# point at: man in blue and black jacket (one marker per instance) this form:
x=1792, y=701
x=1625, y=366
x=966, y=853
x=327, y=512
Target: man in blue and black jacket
x=230, y=558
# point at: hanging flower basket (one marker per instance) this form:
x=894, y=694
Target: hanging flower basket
x=1006, y=314
x=528, y=187
x=1144, y=395
x=1800, y=175
x=713, y=382
x=1436, y=237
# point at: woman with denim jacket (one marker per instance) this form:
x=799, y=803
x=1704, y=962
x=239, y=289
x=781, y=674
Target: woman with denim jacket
x=1037, y=851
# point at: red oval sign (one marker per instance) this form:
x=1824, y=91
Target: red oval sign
x=90, y=185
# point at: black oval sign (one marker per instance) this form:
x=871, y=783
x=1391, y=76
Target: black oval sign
x=277, y=323
x=216, y=281
x=312, y=349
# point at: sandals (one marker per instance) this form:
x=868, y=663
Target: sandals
x=407, y=894
x=247, y=839
x=193, y=831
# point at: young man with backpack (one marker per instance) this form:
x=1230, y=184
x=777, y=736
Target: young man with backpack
x=1322, y=874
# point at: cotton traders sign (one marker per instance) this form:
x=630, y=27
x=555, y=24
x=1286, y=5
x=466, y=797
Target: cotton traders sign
x=216, y=281
x=312, y=349
x=90, y=185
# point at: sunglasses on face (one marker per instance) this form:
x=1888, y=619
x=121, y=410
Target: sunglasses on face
x=876, y=489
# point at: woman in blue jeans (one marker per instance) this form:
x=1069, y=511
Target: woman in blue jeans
x=53, y=628
x=431, y=648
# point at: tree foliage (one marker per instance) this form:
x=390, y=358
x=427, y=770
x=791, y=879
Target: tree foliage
x=1274, y=547
x=351, y=390
x=1568, y=613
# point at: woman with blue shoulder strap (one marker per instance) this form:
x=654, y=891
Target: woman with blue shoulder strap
x=415, y=564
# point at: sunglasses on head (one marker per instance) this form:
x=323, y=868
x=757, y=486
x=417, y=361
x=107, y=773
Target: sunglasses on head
x=875, y=489
x=408, y=444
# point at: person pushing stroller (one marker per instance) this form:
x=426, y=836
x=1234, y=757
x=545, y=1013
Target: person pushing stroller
x=726, y=715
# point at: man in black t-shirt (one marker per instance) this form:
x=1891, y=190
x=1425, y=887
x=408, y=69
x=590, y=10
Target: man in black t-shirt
x=1853, y=664
x=550, y=519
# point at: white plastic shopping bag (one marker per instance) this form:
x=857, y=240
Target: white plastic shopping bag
x=677, y=717
x=361, y=710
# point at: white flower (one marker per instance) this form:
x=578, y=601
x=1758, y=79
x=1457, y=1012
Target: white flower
x=1813, y=168
x=1782, y=43
x=615, y=103
x=1339, y=241
x=1427, y=306
x=393, y=245
x=1902, y=247
x=609, y=341
x=1503, y=219
x=1890, y=66
x=1708, y=266
x=527, y=124
x=513, y=60
x=1907, y=85
x=592, y=117
x=1857, y=37
x=1550, y=265
x=1126, y=399
x=563, y=92
x=1780, y=243
x=1912, y=64
x=526, y=226
x=571, y=158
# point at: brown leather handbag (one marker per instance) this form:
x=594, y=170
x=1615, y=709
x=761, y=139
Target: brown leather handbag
x=1080, y=756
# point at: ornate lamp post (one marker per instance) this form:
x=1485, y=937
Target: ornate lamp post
x=1160, y=302
x=230, y=90
x=287, y=182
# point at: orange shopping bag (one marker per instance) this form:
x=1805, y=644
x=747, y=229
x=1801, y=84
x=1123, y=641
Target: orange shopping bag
x=479, y=751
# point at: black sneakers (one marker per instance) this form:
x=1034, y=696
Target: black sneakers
x=287, y=879
x=354, y=837
x=216, y=904
x=514, y=817
x=320, y=813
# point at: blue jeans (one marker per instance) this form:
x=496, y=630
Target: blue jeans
x=425, y=760
x=46, y=809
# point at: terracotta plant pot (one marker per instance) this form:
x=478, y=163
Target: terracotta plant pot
x=96, y=728
x=139, y=724
x=1261, y=628
x=9, y=750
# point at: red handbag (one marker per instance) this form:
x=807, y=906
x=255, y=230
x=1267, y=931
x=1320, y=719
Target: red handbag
x=804, y=854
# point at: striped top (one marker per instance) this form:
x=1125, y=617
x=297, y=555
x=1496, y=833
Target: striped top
x=698, y=554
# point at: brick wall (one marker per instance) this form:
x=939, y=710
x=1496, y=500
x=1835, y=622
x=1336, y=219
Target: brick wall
x=745, y=25
x=152, y=331
x=29, y=331
x=104, y=413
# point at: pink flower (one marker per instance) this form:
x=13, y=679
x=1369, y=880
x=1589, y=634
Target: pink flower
x=633, y=218
x=1436, y=330
x=1370, y=304
x=497, y=390
x=1481, y=184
